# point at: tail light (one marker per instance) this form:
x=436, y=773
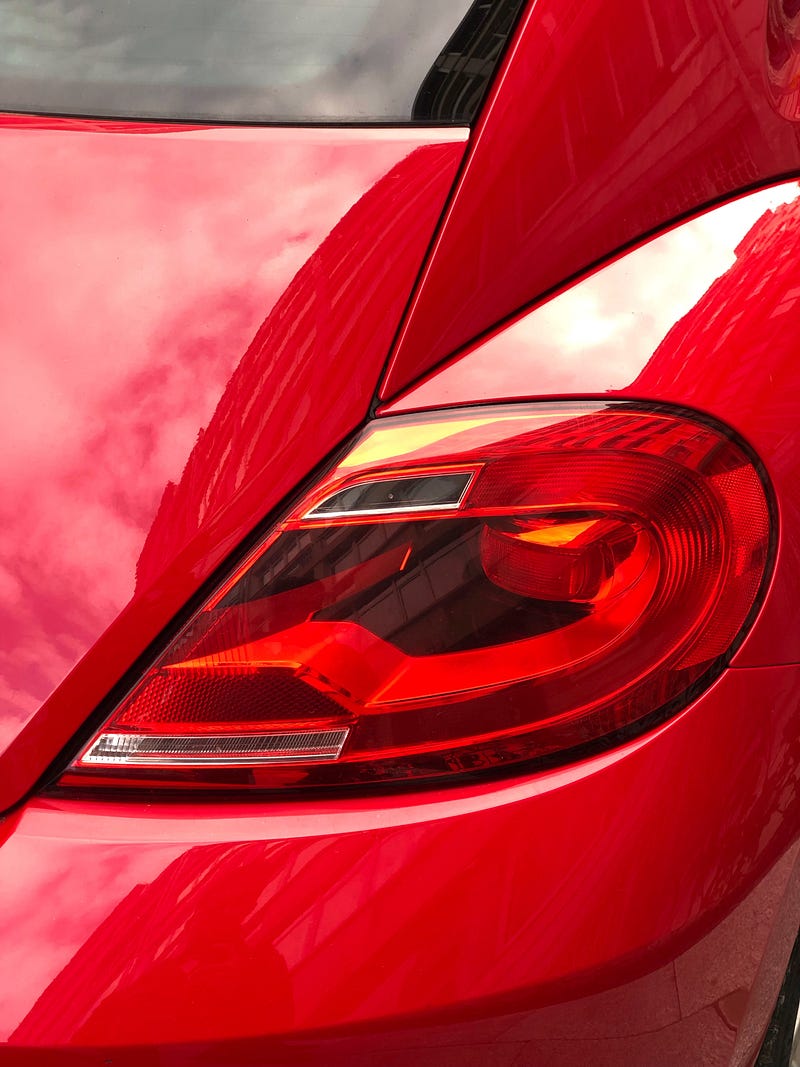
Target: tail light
x=465, y=590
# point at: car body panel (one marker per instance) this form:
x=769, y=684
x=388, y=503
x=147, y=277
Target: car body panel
x=650, y=877
x=182, y=301
x=641, y=112
x=212, y=310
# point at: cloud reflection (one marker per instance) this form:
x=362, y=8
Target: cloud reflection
x=597, y=335
x=143, y=267
x=282, y=60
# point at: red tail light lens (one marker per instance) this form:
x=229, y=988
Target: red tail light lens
x=464, y=590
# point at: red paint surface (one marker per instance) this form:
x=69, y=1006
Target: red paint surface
x=634, y=909
x=707, y=316
x=612, y=118
x=629, y=905
x=193, y=320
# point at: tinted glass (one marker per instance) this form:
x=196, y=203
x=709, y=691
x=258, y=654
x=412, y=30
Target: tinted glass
x=256, y=60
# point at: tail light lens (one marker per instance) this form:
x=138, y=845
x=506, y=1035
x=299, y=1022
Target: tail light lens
x=464, y=590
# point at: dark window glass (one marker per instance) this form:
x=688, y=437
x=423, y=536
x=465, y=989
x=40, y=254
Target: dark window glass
x=252, y=60
x=455, y=85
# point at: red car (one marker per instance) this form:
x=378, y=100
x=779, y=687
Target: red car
x=399, y=533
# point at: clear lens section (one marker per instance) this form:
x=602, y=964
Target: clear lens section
x=212, y=749
x=465, y=590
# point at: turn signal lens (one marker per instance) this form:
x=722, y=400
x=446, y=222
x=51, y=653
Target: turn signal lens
x=465, y=590
x=563, y=561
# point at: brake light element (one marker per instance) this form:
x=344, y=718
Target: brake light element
x=464, y=590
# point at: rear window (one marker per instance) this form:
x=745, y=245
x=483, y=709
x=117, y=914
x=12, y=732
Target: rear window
x=389, y=61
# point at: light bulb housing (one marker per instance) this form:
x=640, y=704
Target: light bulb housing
x=464, y=591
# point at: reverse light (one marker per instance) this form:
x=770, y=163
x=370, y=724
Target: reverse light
x=464, y=590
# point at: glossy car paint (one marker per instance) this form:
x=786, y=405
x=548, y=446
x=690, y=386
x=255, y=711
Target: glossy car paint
x=630, y=906
x=642, y=111
x=635, y=909
x=183, y=301
x=651, y=880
